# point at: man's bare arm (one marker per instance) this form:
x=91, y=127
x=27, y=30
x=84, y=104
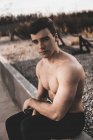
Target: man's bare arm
x=66, y=93
x=41, y=92
x=41, y=95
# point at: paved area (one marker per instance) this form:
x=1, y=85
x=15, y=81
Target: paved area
x=7, y=108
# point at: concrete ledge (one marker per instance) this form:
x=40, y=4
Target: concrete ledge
x=82, y=136
x=19, y=88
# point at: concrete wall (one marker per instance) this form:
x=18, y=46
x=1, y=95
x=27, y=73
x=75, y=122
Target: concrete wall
x=19, y=88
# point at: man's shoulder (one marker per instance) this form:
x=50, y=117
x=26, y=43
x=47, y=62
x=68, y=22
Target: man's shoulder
x=70, y=69
x=39, y=64
x=38, y=67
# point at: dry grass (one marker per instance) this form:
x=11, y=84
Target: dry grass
x=17, y=50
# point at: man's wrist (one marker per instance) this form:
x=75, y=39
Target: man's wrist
x=39, y=97
x=30, y=102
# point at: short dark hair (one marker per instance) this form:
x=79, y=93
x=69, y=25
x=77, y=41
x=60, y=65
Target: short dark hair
x=43, y=23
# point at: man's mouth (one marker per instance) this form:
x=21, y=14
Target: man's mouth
x=42, y=52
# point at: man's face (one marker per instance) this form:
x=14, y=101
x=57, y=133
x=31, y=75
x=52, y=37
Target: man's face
x=45, y=42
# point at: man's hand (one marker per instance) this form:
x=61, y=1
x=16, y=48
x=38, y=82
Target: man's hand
x=35, y=112
x=27, y=104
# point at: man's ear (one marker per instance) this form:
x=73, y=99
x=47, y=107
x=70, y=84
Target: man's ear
x=56, y=38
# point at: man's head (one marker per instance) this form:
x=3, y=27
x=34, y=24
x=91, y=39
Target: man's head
x=43, y=35
x=43, y=23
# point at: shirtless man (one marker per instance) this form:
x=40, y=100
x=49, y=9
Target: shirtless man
x=61, y=80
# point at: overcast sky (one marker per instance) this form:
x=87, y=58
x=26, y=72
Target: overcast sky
x=16, y=7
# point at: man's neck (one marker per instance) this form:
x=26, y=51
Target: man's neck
x=53, y=56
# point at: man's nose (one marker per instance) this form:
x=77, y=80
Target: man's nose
x=41, y=45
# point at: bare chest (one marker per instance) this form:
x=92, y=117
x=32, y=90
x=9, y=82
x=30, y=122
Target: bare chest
x=48, y=78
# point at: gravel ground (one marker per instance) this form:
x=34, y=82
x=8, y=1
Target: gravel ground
x=23, y=57
x=87, y=62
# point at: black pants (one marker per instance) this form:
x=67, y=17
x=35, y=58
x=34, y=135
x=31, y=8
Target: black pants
x=23, y=126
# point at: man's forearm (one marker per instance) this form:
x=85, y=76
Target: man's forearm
x=41, y=98
x=43, y=107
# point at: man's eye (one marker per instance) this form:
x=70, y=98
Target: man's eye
x=45, y=39
x=35, y=41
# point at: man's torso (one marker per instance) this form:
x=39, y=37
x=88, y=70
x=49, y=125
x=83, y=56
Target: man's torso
x=48, y=78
